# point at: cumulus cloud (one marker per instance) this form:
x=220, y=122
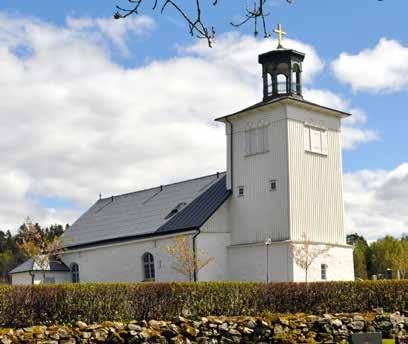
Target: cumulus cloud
x=383, y=68
x=75, y=123
x=376, y=202
x=117, y=31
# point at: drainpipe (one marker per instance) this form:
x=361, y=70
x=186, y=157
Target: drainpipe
x=32, y=274
x=195, y=253
x=231, y=153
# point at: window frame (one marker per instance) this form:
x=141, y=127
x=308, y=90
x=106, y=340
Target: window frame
x=323, y=272
x=273, y=182
x=256, y=140
x=308, y=131
x=148, y=268
x=241, y=188
x=74, y=268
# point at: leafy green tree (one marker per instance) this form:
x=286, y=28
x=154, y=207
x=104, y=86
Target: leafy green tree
x=385, y=254
x=361, y=252
x=6, y=258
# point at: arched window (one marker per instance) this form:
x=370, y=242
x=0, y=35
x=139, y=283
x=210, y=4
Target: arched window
x=148, y=267
x=282, y=84
x=75, y=273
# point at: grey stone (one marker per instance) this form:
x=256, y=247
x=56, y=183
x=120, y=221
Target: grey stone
x=356, y=325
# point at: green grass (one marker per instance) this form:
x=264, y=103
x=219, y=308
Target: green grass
x=388, y=341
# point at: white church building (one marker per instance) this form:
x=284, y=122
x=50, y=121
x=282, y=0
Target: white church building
x=283, y=181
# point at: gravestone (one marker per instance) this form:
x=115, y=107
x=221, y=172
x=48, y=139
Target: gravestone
x=366, y=338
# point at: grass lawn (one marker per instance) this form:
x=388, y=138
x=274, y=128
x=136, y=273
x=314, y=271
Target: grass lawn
x=388, y=341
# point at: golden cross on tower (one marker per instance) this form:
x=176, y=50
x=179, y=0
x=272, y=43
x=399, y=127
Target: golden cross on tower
x=280, y=34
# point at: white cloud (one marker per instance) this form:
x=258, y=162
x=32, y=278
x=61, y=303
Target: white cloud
x=376, y=202
x=74, y=123
x=383, y=68
x=116, y=30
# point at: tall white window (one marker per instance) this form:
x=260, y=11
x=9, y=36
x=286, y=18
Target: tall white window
x=256, y=141
x=315, y=140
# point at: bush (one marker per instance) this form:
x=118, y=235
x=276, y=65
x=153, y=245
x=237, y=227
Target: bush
x=96, y=302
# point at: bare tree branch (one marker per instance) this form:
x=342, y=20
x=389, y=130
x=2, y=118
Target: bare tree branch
x=197, y=27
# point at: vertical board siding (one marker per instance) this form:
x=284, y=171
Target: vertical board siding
x=315, y=188
x=260, y=213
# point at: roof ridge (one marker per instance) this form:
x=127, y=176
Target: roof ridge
x=158, y=187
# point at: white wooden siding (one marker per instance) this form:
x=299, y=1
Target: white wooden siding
x=260, y=213
x=315, y=187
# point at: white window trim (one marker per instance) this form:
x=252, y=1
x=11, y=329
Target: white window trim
x=252, y=134
x=307, y=139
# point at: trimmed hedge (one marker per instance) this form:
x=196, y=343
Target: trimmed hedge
x=97, y=302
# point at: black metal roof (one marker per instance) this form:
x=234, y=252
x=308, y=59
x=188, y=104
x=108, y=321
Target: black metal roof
x=200, y=210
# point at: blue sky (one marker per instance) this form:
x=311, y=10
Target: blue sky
x=328, y=28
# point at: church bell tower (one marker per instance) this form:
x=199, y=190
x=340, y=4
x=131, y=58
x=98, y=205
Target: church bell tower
x=284, y=170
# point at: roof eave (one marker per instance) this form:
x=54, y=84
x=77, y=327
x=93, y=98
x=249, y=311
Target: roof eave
x=287, y=99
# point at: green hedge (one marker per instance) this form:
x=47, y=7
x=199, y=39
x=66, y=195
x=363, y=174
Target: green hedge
x=96, y=302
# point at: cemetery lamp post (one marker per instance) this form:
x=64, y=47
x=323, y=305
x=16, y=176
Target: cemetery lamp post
x=268, y=243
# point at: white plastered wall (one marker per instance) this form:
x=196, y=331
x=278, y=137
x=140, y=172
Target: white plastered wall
x=249, y=262
x=123, y=262
x=339, y=261
x=25, y=278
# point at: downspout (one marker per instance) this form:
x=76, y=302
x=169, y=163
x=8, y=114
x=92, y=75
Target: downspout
x=195, y=253
x=231, y=153
x=32, y=274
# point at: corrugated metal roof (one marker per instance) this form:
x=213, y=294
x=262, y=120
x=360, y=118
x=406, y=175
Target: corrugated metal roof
x=144, y=212
x=29, y=265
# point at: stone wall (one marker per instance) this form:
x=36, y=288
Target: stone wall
x=298, y=328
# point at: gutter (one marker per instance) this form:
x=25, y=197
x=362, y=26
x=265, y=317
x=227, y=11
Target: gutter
x=195, y=253
x=231, y=153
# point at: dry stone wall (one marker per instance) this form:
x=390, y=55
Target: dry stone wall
x=298, y=328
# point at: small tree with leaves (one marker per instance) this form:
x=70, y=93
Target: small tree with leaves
x=187, y=260
x=38, y=246
x=306, y=252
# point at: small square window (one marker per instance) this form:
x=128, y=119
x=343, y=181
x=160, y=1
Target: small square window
x=240, y=191
x=272, y=185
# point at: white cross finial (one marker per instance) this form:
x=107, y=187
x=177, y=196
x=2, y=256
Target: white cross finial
x=280, y=34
